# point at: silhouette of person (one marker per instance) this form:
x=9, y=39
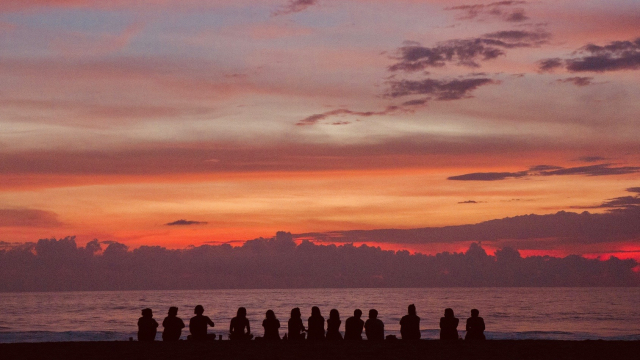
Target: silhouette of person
x=353, y=326
x=475, y=326
x=271, y=326
x=374, y=327
x=315, y=325
x=295, y=327
x=147, y=326
x=448, y=326
x=238, y=325
x=198, y=324
x=410, y=325
x=333, y=325
x=173, y=325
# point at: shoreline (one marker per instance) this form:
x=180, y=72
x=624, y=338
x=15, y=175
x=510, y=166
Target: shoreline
x=283, y=350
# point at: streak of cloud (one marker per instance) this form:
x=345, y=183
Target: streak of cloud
x=547, y=170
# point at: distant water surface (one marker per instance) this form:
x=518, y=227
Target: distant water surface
x=509, y=313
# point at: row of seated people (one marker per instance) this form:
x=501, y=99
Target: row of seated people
x=239, y=328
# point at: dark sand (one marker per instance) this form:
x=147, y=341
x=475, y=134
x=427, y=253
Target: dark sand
x=258, y=350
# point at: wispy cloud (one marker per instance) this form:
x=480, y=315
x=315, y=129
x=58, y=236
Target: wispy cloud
x=294, y=6
x=455, y=89
x=315, y=118
x=504, y=10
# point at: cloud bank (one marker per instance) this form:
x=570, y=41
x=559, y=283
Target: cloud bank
x=59, y=265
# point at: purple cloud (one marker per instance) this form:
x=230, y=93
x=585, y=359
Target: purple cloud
x=615, y=56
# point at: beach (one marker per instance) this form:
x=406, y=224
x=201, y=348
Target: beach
x=258, y=350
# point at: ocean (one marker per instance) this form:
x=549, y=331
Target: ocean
x=509, y=313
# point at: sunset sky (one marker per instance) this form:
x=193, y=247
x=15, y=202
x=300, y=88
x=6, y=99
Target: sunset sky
x=177, y=123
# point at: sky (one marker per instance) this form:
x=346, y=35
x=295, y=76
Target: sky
x=177, y=123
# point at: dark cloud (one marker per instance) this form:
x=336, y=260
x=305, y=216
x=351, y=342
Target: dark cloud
x=465, y=52
x=488, y=176
x=593, y=170
x=183, y=222
x=577, y=80
x=416, y=102
x=468, y=202
x=549, y=64
x=501, y=9
x=60, y=265
x=28, y=218
x=564, y=228
x=313, y=119
x=294, y=6
x=615, y=56
x=441, y=89
x=549, y=170
x=634, y=189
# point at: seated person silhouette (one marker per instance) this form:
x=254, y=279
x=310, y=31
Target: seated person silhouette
x=198, y=324
x=295, y=327
x=238, y=325
x=353, y=326
x=147, y=326
x=315, y=328
x=333, y=325
x=173, y=325
x=475, y=326
x=448, y=326
x=410, y=325
x=373, y=327
x=271, y=326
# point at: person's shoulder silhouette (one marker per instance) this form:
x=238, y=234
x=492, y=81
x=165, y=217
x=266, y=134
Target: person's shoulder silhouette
x=410, y=325
x=353, y=326
x=271, y=326
x=173, y=325
x=475, y=326
x=374, y=327
x=295, y=327
x=333, y=325
x=238, y=325
x=448, y=326
x=315, y=328
x=198, y=324
x=147, y=326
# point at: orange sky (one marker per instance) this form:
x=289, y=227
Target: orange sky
x=247, y=118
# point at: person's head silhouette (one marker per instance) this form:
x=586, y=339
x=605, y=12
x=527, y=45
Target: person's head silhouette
x=295, y=313
x=475, y=312
x=199, y=310
x=334, y=314
x=373, y=314
x=173, y=311
x=271, y=314
x=242, y=312
x=357, y=313
x=448, y=313
x=412, y=309
x=147, y=313
x=315, y=311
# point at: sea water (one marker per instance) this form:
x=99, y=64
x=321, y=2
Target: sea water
x=509, y=313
